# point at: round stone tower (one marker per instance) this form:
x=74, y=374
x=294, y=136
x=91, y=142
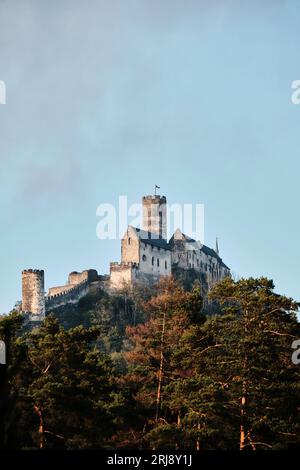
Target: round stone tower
x=155, y=215
x=33, y=293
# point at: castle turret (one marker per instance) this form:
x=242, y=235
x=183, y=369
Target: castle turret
x=33, y=294
x=155, y=215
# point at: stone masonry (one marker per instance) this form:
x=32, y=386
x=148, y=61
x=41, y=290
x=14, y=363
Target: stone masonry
x=34, y=302
x=33, y=294
x=146, y=255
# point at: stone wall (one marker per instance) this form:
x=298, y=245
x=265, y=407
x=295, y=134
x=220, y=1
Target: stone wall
x=59, y=289
x=75, y=278
x=89, y=275
x=33, y=292
x=130, y=247
x=69, y=296
x=191, y=256
x=34, y=302
x=155, y=215
x=122, y=274
x=154, y=260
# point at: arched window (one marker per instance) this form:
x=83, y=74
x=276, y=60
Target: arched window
x=129, y=241
x=166, y=265
x=157, y=261
x=144, y=258
x=152, y=260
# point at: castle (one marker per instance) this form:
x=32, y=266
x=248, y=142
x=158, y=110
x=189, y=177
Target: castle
x=146, y=255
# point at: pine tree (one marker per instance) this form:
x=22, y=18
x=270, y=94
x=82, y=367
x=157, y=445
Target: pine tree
x=66, y=392
x=151, y=358
x=253, y=362
x=224, y=383
x=10, y=329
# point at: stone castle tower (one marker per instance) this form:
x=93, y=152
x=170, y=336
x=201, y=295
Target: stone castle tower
x=33, y=295
x=155, y=216
x=36, y=305
x=146, y=254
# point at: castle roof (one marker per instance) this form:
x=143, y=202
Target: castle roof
x=151, y=239
x=180, y=236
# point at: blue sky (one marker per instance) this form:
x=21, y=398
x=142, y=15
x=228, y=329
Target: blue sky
x=107, y=98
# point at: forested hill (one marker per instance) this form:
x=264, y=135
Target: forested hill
x=113, y=312
x=110, y=313
x=159, y=367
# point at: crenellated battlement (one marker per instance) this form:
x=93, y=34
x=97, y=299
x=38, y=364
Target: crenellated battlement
x=77, y=287
x=36, y=271
x=36, y=304
x=123, y=265
x=68, y=296
x=123, y=273
x=146, y=255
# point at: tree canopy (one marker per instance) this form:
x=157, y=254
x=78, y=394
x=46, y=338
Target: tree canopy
x=153, y=369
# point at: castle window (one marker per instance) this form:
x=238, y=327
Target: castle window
x=144, y=258
x=152, y=260
x=166, y=265
x=197, y=262
x=157, y=261
x=129, y=241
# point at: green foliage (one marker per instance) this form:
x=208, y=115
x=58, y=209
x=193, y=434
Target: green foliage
x=10, y=329
x=228, y=382
x=64, y=390
x=154, y=368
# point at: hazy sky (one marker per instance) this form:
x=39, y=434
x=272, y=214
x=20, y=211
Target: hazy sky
x=107, y=98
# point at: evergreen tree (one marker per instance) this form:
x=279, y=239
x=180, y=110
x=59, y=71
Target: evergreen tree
x=250, y=357
x=151, y=360
x=66, y=393
x=225, y=383
x=10, y=328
